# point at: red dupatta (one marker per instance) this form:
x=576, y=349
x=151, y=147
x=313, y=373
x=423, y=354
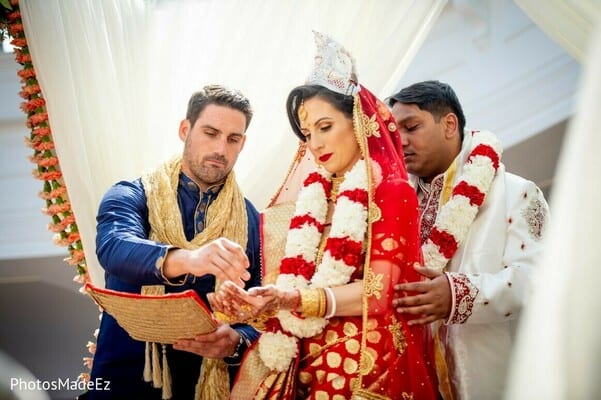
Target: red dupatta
x=392, y=360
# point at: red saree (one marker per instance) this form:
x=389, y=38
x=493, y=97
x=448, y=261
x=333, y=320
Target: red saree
x=375, y=355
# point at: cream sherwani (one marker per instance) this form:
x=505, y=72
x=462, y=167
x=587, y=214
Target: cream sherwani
x=491, y=279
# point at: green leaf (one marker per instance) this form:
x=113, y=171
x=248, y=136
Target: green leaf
x=6, y=4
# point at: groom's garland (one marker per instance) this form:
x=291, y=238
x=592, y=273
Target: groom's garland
x=457, y=215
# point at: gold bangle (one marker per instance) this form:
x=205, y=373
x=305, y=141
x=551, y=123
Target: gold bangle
x=313, y=302
x=323, y=303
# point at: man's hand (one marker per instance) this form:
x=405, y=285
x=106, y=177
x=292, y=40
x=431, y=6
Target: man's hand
x=219, y=344
x=429, y=300
x=241, y=305
x=224, y=259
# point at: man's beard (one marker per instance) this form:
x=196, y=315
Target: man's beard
x=208, y=174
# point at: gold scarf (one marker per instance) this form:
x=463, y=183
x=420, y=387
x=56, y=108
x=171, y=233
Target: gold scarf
x=226, y=217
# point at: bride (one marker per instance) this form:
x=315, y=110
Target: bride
x=329, y=328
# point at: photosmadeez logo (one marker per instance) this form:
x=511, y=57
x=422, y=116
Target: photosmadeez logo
x=59, y=384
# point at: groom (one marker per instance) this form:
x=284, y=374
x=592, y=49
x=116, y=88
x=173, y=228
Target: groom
x=183, y=226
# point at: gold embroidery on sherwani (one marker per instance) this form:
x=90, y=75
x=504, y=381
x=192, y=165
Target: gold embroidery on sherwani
x=372, y=284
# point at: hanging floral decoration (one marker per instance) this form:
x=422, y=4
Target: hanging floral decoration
x=44, y=156
x=54, y=193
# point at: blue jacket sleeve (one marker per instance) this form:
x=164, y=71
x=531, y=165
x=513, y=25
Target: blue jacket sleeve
x=122, y=243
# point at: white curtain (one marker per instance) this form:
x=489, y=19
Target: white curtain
x=570, y=23
x=117, y=75
x=558, y=356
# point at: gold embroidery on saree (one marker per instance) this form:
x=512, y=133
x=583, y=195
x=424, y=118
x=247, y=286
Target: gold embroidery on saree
x=370, y=125
x=372, y=284
x=350, y=365
x=398, y=337
x=368, y=360
x=374, y=213
x=363, y=394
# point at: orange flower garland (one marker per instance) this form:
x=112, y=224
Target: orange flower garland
x=44, y=156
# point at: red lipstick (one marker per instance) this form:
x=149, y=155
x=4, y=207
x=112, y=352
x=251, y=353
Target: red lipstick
x=325, y=157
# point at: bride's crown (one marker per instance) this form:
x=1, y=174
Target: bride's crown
x=334, y=66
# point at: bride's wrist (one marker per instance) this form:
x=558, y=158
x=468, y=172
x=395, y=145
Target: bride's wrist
x=289, y=300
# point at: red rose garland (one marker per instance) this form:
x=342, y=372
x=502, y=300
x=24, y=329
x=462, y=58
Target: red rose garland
x=456, y=216
x=343, y=254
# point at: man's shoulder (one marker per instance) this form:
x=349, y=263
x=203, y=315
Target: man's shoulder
x=126, y=190
x=514, y=181
x=520, y=190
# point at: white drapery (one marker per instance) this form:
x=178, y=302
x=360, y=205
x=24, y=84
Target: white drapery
x=116, y=75
x=570, y=23
x=558, y=353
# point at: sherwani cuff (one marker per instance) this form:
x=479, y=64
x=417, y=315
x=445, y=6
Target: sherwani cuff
x=177, y=281
x=463, y=294
x=453, y=300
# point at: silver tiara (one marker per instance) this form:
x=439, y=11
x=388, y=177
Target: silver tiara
x=334, y=66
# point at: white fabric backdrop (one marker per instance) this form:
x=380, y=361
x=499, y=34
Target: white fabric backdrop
x=558, y=356
x=117, y=74
x=569, y=22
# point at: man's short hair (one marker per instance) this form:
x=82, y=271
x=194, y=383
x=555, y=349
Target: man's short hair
x=435, y=97
x=221, y=96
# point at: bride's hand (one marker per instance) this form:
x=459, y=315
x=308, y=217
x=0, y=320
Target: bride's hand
x=258, y=301
x=216, y=303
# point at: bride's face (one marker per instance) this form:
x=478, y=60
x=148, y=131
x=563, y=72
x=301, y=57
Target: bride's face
x=329, y=134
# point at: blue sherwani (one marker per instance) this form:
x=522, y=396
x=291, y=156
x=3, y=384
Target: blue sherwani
x=130, y=260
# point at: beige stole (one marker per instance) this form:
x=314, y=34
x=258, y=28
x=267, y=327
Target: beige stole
x=226, y=217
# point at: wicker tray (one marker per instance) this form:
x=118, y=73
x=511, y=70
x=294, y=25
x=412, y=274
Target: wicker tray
x=156, y=318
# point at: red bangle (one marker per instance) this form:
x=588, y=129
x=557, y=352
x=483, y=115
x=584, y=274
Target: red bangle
x=296, y=305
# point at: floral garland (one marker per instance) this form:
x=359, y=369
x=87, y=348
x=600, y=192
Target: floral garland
x=54, y=192
x=457, y=215
x=343, y=254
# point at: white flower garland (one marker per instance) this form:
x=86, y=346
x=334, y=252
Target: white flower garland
x=458, y=214
x=349, y=220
